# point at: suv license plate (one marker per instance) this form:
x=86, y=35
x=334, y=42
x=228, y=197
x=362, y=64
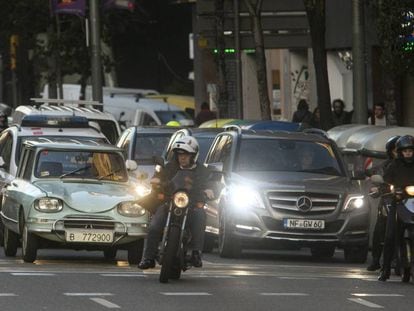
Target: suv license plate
x=310, y=224
x=90, y=236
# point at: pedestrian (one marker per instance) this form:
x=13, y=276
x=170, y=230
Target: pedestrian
x=380, y=225
x=400, y=173
x=378, y=116
x=205, y=114
x=302, y=113
x=339, y=115
x=315, y=121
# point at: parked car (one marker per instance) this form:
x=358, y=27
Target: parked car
x=72, y=194
x=286, y=189
x=59, y=107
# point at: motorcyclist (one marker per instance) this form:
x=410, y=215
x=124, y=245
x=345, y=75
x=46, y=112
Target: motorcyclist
x=399, y=173
x=186, y=152
x=380, y=225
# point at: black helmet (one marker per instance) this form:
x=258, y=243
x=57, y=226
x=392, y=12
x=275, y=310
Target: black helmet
x=405, y=142
x=390, y=145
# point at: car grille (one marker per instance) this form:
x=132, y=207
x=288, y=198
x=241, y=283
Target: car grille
x=277, y=225
x=285, y=201
x=89, y=222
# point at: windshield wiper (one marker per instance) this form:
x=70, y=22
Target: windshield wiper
x=109, y=174
x=79, y=169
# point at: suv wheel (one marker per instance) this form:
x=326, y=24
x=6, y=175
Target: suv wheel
x=323, y=251
x=209, y=242
x=229, y=245
x=356, y=254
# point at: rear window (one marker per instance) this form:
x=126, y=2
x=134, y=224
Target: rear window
x=287, y=156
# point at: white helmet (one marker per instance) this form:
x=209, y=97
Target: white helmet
x=188, y=144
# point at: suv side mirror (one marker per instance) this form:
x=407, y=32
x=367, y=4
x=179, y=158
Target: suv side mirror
x=131, y=165
x=215, y=167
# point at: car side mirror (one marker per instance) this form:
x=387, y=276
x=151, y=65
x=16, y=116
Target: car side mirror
x=131, y=165
x=215, y=167
x=377, y=179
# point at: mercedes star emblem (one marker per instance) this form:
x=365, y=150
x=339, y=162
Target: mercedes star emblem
x=304, y=203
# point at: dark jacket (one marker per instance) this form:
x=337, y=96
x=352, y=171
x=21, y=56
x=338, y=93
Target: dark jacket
x=302, y=116
x=205, y=115
x=399, y=173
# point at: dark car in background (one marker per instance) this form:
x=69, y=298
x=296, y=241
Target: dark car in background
x=285, y=189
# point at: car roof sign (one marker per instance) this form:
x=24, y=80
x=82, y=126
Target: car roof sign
x=55, y=121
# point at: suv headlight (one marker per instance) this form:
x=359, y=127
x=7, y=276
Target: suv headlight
x=48, y=205
x=131, y=209
x=245, y=197
x=354, y=202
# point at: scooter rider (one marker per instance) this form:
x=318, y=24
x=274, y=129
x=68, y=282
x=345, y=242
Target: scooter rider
x=399, y=173
x=186, y=152
x=380, y=225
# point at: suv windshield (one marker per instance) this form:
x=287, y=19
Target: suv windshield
x=148, y=146
x=287, y=156
x=81, y=164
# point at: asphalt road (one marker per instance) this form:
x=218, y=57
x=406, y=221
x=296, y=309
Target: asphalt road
x=283, y=280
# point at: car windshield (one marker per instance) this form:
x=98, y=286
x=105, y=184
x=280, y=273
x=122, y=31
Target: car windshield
x=168, y=115
x=287, y=156
x=22, y=139
x=148, y=146
x=81, y=164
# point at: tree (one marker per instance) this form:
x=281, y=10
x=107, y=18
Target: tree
x=255, y=14
x=315, y=11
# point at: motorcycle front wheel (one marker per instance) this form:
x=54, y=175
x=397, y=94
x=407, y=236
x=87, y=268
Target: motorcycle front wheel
x=170, y=255
x=406, y=261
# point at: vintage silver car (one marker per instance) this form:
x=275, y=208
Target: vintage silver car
x=72, y=194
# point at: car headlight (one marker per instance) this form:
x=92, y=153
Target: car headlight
x=181, y=199
x=410, y=190
x=143, y=190
x=48, y=205
x=245, y=197
x=131, y=209
x=354, y=202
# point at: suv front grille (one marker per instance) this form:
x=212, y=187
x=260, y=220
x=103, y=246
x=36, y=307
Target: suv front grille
x=286, y=202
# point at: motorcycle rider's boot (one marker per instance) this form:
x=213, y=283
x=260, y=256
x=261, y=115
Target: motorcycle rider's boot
x=196, y=259
x=146, y=264
x=375, y=265
x=385, y=274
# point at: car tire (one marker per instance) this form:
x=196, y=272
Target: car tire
x=323, y=251
x=135, y=250
x=30, y=244
x=11, y=242
x=110, y=254
x=356, y=254
x=229, y=245
x=209, y=243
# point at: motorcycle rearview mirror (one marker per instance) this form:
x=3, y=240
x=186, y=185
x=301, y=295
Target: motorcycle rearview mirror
x=377, y=179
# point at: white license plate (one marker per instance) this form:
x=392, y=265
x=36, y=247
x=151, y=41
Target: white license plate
x=310, y=224
x=90, y=236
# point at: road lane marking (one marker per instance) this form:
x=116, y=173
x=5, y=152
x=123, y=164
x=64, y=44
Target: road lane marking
x=87, y=294
x=32, y=274
x=366, y=303
x=376, y=295
x=123, y=275
x=213, y=276
x=185, y=294
x=296, y=278
x=283, y=294
x=7, y=295
x=105, y=303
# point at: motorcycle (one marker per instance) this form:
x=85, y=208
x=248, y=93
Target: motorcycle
x=405, y=215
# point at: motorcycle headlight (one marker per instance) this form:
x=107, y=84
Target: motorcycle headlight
x=245, y=197
x=410, y=190
x=181, y=199
x=48, y=205
x=143, y=190
x=354, y=202
x=131, y=209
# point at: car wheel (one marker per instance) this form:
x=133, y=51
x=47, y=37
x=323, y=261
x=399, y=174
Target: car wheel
x=209, y=243
x=11, y=242
x=356, y=254
x=110, y=254
x=229, y=245
x=323, y=251
x=30, y=243
x=135, y=250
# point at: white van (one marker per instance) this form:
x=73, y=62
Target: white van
x=131, y=110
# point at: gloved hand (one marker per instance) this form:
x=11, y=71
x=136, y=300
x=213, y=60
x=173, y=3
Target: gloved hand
x=209, y=194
